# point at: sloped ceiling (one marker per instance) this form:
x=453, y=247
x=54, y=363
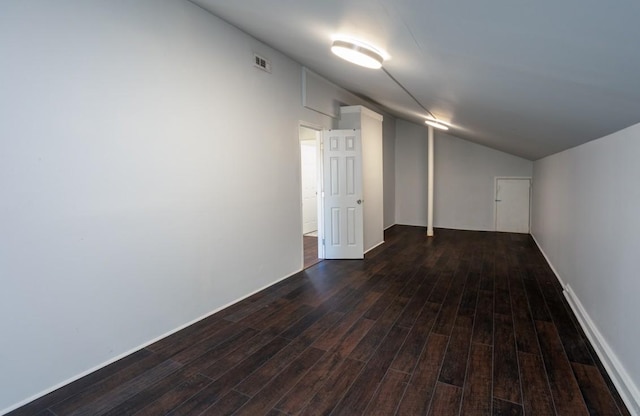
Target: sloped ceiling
x=527, y=78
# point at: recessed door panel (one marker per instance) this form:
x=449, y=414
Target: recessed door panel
x=335, y=227
x=334, y=172
x=351, y=226
x=351, y=175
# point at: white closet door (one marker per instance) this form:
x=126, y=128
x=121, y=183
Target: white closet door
x=512, y=205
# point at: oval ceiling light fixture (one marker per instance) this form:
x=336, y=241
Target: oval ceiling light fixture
x=358, y=52
x=437, y=124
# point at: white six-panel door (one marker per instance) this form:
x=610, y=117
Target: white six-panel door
x=343, y=202
x=512, y=205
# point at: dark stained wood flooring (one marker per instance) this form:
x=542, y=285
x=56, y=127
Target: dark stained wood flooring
x=310, y=245
x=465, y=323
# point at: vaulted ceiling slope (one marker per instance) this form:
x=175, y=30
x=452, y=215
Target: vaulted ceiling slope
x=530, y=78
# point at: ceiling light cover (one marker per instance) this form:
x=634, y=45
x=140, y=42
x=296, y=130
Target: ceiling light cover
x=437, y=124
x=358, y=54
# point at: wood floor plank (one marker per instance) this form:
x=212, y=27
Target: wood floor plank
x=410, y=352
x=326, y=398
x=273, y=391
x=214, y=367
x=416, y=304
x=386, y=399
x=297, y=398
x=565, y=391
x=526, y=338
x=174, y=397
x=224, y=383
x=98, y=390
x=441, y=288
x=476, y=399
x=504, y=408
x=352, y=338
x=155, y=392
x=535, y=386
x=371, y=341
x=597, y=397
x=221, y=341
x=446, y=400
x=483, y=325
x=305, y=322
x=335, y=334
x=537, y=305
x=227, y=405
x=257, y=380
x=114, y=397
x=420, y=389
x=359, y=394
x=502, y=298
x=506, y=374
x=451, y=303
x=469, y=299
x=454, y=366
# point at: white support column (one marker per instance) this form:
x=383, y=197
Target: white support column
x=430, y=185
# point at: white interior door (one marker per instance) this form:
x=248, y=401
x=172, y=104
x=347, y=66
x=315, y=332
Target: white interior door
x=309, y=183
x=512, y=205
x=342, y=202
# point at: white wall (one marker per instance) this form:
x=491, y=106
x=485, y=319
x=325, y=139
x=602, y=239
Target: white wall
x=389, y=169
x=141, y=157
x=464, y=179
x=585, y=217
x=411, y=174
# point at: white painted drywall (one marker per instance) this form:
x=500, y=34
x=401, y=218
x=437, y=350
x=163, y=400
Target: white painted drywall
x=464, y=179
x=411, y=174
x=585, y=218
x=142, y=156
x=389, y=169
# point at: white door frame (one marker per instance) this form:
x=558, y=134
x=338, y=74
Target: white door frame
x=319, y=171
x=495, y=194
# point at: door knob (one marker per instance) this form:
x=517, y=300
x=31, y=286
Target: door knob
x=359, y=201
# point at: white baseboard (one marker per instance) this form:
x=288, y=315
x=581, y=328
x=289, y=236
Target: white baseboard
x=616, y=371
x=377, y=245
x=392, y=225
x=131, y=351
x=626, y=387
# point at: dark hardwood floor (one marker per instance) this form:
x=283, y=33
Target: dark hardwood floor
x=310, y=245
x=465, y=323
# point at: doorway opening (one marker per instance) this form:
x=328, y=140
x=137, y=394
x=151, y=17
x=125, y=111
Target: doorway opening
x=311, y=176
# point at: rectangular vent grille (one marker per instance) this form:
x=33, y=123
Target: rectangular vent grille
x=261, y=62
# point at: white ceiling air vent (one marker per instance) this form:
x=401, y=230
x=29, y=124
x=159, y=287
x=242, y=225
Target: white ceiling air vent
x=261, y=62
